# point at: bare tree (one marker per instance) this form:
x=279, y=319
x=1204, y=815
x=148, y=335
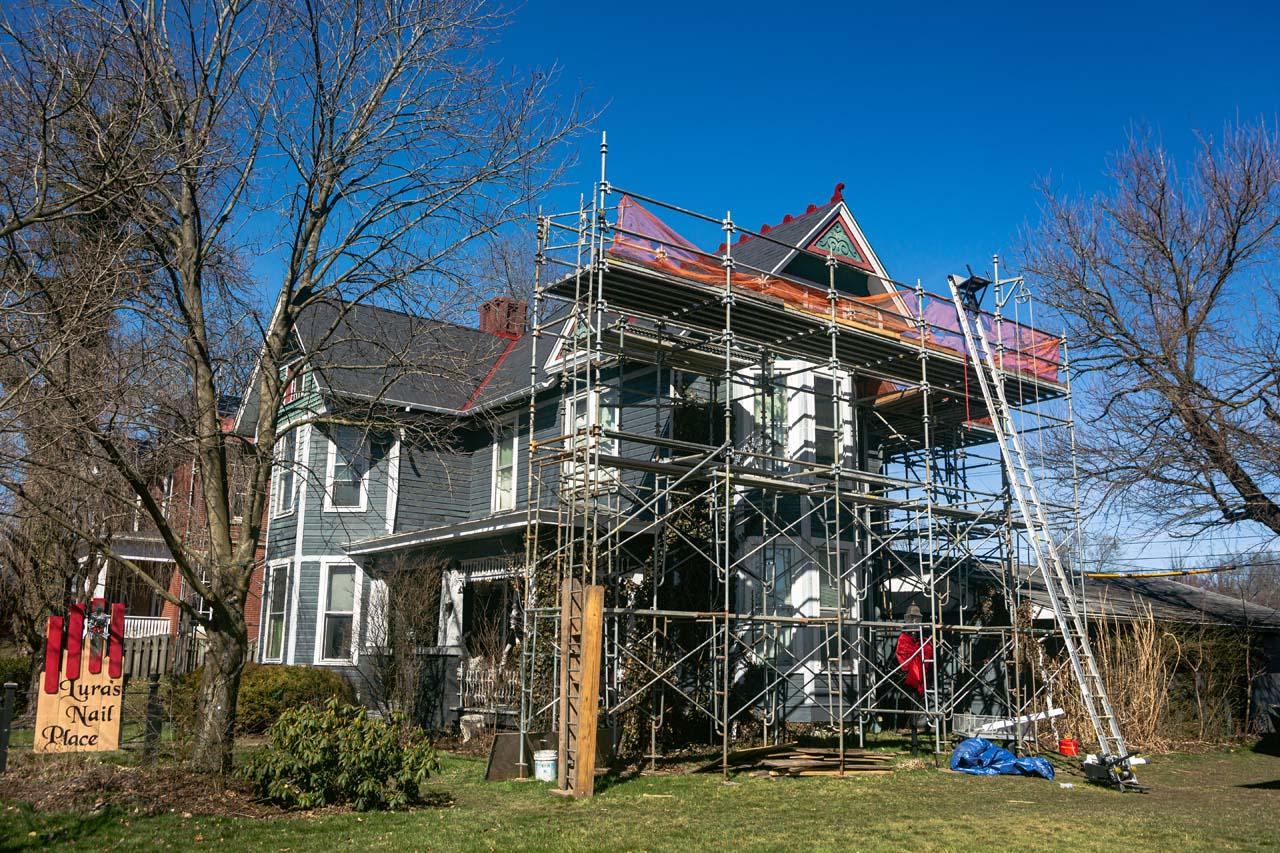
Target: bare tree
x=367, y=150
x=1253, y=577
x=1167, y=286
x=63, y=92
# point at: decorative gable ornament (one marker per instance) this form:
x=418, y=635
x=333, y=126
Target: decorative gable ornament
x=838, y=242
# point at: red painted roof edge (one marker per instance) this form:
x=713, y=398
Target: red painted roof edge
x=475, y=395
x=836, y=195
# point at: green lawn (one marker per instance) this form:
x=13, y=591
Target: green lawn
x=1222, y=801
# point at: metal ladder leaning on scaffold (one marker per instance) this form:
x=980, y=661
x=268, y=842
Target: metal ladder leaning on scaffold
x=1114, y=760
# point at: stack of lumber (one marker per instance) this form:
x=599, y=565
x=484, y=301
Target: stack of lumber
x=788, y=759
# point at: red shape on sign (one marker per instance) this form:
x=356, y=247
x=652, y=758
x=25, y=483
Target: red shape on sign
x=53, y=655
x=75, y=637
x=115, y=647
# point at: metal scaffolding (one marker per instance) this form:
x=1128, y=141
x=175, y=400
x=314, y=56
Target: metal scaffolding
x=774, y=498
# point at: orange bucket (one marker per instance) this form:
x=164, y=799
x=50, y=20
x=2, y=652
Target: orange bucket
x=1069, y=746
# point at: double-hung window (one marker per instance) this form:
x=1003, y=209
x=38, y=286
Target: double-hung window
x=505, y=451
x=339, y=607
x=278, y=596
x=583, y=414
x=825, y=421
x=284, y=488
x=197, y=601
x=348, y=484
x=578, y=420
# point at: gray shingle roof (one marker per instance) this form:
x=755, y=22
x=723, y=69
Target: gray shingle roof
x=1168, y=599
x=374, y=353
x=767, y=256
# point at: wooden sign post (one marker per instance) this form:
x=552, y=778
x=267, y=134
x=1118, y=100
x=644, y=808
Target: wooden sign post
x=80, y=705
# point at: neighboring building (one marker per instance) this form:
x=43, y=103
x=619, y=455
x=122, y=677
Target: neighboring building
x=178, y=489
x=1171, y=602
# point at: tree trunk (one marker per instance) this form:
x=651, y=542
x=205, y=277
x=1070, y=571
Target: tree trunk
x=219, y=688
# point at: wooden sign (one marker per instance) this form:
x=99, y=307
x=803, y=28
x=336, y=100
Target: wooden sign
x=81, y=705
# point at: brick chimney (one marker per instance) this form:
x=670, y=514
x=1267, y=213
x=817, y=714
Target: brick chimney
x=503, y=316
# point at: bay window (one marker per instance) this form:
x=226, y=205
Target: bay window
x=278, y=594
x=824, y=420
x=284, y=486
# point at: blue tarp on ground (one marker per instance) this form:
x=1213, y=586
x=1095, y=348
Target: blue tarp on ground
x=983, y=758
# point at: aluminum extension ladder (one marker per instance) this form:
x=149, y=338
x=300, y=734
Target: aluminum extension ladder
x=1115, y=757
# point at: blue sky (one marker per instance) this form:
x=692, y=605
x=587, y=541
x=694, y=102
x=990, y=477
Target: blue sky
x=940, y=119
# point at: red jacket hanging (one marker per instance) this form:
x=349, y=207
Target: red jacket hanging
x=914, y=657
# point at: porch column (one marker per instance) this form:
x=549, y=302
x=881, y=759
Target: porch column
x=452, y=583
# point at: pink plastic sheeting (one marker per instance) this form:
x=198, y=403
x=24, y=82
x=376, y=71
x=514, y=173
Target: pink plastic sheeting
x=1026, y=350
x=643, y=237
x=650, y=238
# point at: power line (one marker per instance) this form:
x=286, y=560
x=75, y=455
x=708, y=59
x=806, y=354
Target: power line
x=1230, y=555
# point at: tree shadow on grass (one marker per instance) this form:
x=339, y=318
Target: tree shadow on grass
x=59, y=828
x=614, y=778
x=1273, y=785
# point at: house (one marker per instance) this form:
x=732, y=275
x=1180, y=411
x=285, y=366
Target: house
x=433, y=467
x=457, y=453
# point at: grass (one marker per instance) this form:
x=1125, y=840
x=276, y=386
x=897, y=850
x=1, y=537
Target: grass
x=1223, y=801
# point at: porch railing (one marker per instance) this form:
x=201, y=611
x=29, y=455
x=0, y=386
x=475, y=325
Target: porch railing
x=146, y=626
x=483, y=688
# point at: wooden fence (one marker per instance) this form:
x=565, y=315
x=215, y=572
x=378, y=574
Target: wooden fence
x=163, y=654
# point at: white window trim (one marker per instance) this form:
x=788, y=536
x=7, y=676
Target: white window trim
x=295, y=600
x=749, y=391
x=379, y=604
x=268, y=591
x=515, y=471
x=596, y=405
x=393, y=482
x=363, y=506
x=322, y=607
x=276, y=511
x=606, y=476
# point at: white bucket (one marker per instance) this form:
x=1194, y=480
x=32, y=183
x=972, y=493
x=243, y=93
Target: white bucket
x=544, y=765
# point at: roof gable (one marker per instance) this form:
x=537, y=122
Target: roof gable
x=795, y=247
x=768, y=256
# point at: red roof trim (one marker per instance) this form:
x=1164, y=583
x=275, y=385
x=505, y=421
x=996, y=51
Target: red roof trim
x=836, y=195
x=475, y=395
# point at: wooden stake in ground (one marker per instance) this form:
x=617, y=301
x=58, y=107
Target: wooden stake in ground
x=583, y=643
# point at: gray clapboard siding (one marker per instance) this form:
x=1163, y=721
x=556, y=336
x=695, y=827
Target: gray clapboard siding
x=308, y=601
x=326, y=531
x=434, y=488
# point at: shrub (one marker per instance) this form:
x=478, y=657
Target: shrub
x=337, y=754
x=17, y=670
x=266, y=692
